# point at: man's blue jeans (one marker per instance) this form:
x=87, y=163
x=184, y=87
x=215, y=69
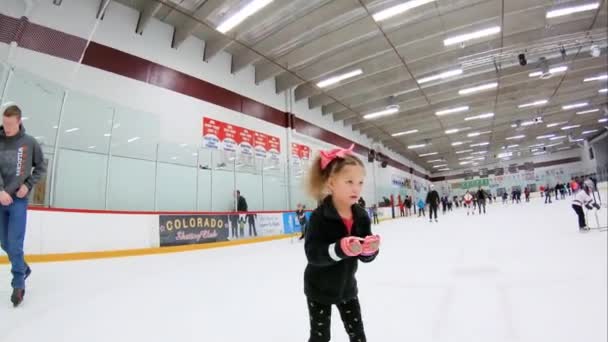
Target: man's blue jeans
x=13, y=219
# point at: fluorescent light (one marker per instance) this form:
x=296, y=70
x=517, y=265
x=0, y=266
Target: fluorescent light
x=578, y=140
x=476, y=134
x=428, y=154
x=466, y=158
x=398, y=9
x=545, y=136
x=504, y=155
x=513, y=146
x=605, y=90
x=521, y=136
x=532, y=104
x=596, y=78
x=480, y=116
x=470, y=36
x=411, y=147
x=339, y=78
x=107, y=135
x=435, y=161
x=444, y=169
x=452, y=110
x=480, y=144
x=133, y=139
x=465, y=162
x=602, y=120
x=92, y=146
x=575, y=105
x=527, y=123
x=72, y=130
x=441, y=165
x=571, y=10
x=589, y=131
x=570, y=127
x=555, y=70
x=537, y=145
x=251, y=8
x=440, y=76
x=480, y=158
x=457, y=143
x=538, y=153
x=456, y=130
x=480, y=152
x=555, y=144
x=404, y=133
x=478, y=88
x=564, y=148
x=556, y=124
x=464, y=151
x=381, y=113
x=557, y=137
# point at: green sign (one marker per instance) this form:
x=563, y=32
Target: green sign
x=476, y=183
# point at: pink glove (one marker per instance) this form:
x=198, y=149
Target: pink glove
x=351, y=245
x=371, y=243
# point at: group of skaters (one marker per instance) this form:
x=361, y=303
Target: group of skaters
x=561, y=189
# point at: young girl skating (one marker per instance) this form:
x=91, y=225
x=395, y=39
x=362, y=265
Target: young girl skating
x=468, y=199
x=338, y=237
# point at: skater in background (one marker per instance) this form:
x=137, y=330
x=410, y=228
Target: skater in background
x=22, y=165
x=481, y=200
x=401, y=207
x=408, y=205
x=569, y=187
x=339, y=236
x=468, y=200
x=432, y=199
x=450, y=203
x=301, y=216
x=527, y=194
x=547, y=194
x=251, y=221
x=421, y=208
x=556, y=189
x=505, y=198
x=242, y=220
x=444, y=204
x=474, y=201
x=375, y=214
x=562, y=190
x=583, y=199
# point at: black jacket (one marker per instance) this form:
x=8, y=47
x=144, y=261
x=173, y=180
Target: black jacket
x=481, y=195
x=432, y=198
x=329, y=277
x=241, y=204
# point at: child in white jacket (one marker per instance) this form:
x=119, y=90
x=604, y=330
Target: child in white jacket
x=583, y=199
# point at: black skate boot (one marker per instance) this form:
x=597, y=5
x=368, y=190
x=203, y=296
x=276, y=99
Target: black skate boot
x=17, y=296
x=28, y=271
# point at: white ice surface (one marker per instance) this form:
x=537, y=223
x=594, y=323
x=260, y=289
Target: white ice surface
x=520, y=273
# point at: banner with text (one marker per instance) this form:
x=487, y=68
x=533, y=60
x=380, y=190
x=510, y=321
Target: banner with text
x=232, y=138
x=192, y=229
x=291, y=223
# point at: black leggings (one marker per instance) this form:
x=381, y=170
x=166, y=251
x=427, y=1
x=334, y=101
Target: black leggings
x=320, y=320
x=581, y=215
x=433, y=209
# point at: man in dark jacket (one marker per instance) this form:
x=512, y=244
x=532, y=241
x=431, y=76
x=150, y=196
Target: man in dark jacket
x=19, y=154
x=432, y=199
x=481, y=200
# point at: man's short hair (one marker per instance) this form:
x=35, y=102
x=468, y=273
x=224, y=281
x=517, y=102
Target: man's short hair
x=12, y=111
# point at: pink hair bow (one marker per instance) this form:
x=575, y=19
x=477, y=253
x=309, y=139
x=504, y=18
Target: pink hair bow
x=328, y=156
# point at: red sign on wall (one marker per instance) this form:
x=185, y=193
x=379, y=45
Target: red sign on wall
x=300, y=151
x=218, y=134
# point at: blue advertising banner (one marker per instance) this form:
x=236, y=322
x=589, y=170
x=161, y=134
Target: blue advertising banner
x=291, y=224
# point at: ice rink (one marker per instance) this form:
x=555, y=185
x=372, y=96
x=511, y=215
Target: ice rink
x=520, y=273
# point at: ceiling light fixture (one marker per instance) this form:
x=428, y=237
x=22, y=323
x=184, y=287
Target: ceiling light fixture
x=385, y=112
x=480, y=152
x=589, y=131
x=505, y=155
x=533, y=104
x=557, y=137
x=470, y=36
x=411, y=147
x=440, y=76
x=247, y=11
x=444, y=169
x=479, y=117
x=451, y=110
x=398, y=9
x=601, y=91
x=133, y=139
x=457, y=143
x=480, y=144
x=428, y=154
x=570, y=127
x=552, y=71
x=602, y=120
x=575, y=105
x=404, y=133
x=464, y=151
x=556, y=124
x=70, y=130
x=596, y=78
x=339, y=78
x=476, y=134
x=587, y=111
x=440, y=165
x=435, y=161
x=477, y=89
x=571, y=10
x=545, y=136
x=521, y=136
x=539, y=153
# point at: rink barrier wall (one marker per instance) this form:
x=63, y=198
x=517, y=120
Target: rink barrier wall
x=63, y=234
